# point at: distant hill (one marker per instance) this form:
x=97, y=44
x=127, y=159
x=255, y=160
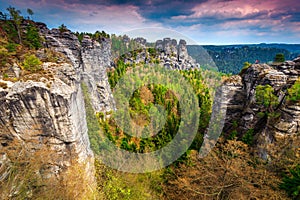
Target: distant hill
x=293, y=48
x=230, y=58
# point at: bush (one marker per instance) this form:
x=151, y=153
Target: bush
x=3, y=56
x=33, y=38
x=245, y=67
x=248, y=137
x=265, y=96
x=233, y=135
x=294, y=92
x=11, y=47
x=32, y=63
x=291, y=184
x=63, y=28
x=279, y=58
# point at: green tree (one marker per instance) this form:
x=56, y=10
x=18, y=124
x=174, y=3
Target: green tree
x=62, y=28
x=265, y=96
x=294, y=92
x=30, y=12
x=32, y=37
x=279, y=58
x=32, y=63
x=17, y=19
x=3, y=16
x=245, y=67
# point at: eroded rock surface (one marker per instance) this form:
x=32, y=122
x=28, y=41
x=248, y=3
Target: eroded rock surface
x=270, y=125
x=48, y=113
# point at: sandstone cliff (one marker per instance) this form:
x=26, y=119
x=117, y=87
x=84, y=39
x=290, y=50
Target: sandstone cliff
x=49, y=114
x=270, y=130
x=174, y=56
x=166, y=53
x=47, y=109
x=90, y=60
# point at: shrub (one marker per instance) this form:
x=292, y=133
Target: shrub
x=152, y=51
x=265, y=96
x=11, y=47
x=3, y=56
x=294, y=92
x=245, y=67
x=291, y=184
x=233, y=135
x=279, y=58
x=248, y=137
x=63, y=28
x=33, y=38
x=32, y=63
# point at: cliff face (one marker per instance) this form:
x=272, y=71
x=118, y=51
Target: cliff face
x=174, y=56
x=90, y=60
x=49, y=111
x=270, y=127
x=167, y=53
x=96, y=58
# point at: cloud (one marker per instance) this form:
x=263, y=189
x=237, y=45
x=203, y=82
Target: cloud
x=210, y=20
x=90, y=15
x=255, y=18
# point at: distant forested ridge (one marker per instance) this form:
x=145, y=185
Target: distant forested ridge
x=231, y=58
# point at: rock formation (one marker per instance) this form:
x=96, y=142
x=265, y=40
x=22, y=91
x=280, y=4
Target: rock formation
x=174, y=56
x=244, y=113
x=48, y=113
x=141, y=41
x=49, y=109
x=96, y=57
x=90, y=60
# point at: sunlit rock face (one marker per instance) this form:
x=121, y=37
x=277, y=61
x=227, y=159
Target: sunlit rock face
x=90, y=59
x=244, y=113
x=173, y=55
x=50, y=112
x=47, y=114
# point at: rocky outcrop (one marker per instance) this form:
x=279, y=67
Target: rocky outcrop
x=246, y=115
x=90, y=59
x=65, y=42
x=47, y=113
x=96, y=58
x=141, y=41
x=174, y=56
x=48, y=110
x=166, y=53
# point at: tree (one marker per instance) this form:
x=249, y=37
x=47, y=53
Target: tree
x=245, y=67
x=30, y=12
x=294, y=92
x=62, y=28
x=33, y=39
x=3, y=16
x=17, y=19
x=266, y=97
x=279, y=58
x=32, y=63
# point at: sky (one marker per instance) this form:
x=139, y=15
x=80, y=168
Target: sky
x=203, y=21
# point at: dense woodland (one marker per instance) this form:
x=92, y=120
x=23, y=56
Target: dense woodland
x=230, y=59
